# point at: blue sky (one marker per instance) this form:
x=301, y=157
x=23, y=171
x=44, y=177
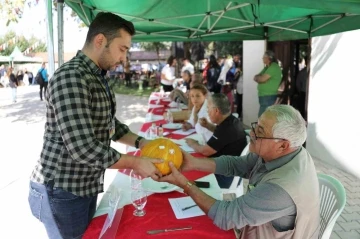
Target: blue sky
x=33, y=23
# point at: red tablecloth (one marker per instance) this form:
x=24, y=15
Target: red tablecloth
x=160, y=102
x=157, y=111
x=159, y=215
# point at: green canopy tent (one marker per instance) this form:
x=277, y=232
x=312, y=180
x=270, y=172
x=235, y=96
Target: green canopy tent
x=205, y=20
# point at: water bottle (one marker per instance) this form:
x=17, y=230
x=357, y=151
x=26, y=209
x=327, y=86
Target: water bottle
x=153, y=131
x=161, y=91
x=160, y=131
x=178, y=106
x=169, y=117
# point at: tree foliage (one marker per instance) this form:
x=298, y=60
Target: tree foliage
x=10, y=40
x=224, y=48
x=155, y=46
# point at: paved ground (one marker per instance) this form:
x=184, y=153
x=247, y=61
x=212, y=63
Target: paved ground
x=21, y=130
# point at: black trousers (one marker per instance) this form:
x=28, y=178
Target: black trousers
x=167, y=88
x=128, y=79
x=41, y=89
x=239, y=101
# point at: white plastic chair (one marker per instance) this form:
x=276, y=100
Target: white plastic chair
x=332, y=202
x=234, y=187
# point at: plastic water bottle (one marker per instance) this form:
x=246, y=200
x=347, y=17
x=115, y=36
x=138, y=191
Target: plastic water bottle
x=153, y=131
x=178, y=103
x=160, y=131
x=169, y=117
x=162, y=91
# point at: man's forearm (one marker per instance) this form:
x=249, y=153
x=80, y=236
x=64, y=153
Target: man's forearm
x=204, y=164
x=203, y=200
x=126, y=161
x=129, y=139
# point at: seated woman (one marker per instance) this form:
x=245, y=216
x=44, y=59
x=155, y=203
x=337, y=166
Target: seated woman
x=198, y=94
x=183, y=94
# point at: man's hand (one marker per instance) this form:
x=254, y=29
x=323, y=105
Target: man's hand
x=191, y=142
x=188, y=161
x=186, y=126
x=145, y=167
x=204, y=123
x=175, y=177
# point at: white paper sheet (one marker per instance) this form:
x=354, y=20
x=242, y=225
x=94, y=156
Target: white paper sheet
x=177, y=204
x=187, y=148
x=182, y=132
x=112, y=210
x=149, y=117
x=151, y=106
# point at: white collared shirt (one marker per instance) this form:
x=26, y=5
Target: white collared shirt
x=203, y=113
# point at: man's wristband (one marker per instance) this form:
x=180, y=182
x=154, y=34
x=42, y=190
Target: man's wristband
x=137, y=141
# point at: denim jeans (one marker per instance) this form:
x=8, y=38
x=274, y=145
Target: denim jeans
x=64, y=214
x=266, y=101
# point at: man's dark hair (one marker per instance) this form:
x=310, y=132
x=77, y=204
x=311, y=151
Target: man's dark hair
x=170, y=60
x=221, y=102
x=108, y=24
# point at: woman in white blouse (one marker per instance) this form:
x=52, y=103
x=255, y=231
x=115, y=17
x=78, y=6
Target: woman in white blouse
x=198, y=94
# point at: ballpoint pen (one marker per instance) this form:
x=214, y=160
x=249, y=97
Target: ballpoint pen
x=186, y=208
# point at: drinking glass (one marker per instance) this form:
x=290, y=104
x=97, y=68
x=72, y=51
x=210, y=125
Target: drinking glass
x=169, y=117
x=139, y=199
x=135, y=181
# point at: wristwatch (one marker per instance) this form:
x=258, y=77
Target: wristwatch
x=137, y=141
x=188, y=186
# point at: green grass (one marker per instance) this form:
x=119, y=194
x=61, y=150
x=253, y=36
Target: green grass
x=134, y=90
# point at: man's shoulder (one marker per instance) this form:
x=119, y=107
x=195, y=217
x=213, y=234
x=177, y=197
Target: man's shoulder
x=71, y=69
x=231, y=122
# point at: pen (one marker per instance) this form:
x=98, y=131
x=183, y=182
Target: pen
x=186, y=208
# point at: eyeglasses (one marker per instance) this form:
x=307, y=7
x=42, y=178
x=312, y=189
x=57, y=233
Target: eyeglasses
x=254, y=125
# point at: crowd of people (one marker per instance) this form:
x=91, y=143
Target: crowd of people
x=12, y=80
x=282, y=199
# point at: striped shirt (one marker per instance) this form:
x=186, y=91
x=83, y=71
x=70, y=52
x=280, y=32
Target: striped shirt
x=80, y=110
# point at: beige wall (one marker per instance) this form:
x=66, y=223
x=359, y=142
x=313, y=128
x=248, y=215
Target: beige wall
x=253, y=52
x=334, y=99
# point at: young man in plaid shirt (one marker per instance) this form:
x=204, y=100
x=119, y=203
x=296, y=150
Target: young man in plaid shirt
x=80, y=124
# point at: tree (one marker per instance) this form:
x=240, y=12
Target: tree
x=10, y=40
x=197, y=51
x=224, y=48
x=155, y=46
x=12, y=10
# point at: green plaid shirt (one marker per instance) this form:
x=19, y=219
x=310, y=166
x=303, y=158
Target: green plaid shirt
x=76, y=149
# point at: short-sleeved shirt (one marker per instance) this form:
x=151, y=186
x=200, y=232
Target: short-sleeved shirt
x=169, y=72
x=189, y=67
x=270, y=87
x=228, y=138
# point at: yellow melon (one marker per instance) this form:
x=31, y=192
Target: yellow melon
x=165, y=149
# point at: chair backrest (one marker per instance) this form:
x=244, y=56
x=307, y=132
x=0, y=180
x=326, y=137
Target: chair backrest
x=332, y=202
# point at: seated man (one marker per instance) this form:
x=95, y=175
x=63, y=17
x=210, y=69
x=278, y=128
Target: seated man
x=228, y=138
x=282, y=200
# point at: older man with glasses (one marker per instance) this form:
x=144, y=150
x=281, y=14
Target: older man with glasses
x=282, y=200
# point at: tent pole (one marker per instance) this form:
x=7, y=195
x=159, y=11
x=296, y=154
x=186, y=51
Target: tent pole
x=50, y=38
x=60, y=12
